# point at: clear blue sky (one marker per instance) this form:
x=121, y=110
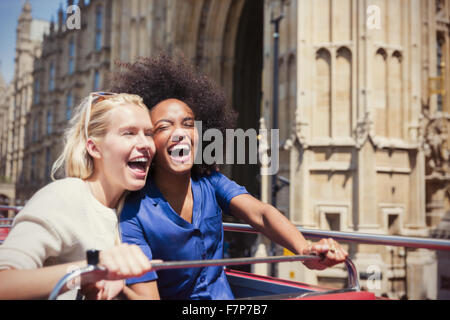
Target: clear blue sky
x=9, y=13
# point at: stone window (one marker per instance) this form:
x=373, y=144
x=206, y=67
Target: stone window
x=333, y=217
x=333, y=221
x=98, y=28
x=96, y=80
x=48, y=163
x=35, y=135
x=69, y=106
x=36, y=91
x=33, y=167
x=49, y=122
x=321, y=123
x=71, y=56
x=342, y=108
x=393, y=218
x=439, y=67
x=51, y=83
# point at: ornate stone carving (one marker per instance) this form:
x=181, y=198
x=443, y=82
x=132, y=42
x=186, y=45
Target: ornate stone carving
x=362, y=130
x=297, y=133
x=436, y=143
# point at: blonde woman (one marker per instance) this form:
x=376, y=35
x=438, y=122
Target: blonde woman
x=108, y=151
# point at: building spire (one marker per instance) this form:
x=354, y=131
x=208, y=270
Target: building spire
x=27, y=6
x=26, y=11
x=60, y=17
x=24, y=22
x=52, y=25
x=2, y=80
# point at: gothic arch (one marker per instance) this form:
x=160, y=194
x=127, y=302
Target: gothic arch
x=395, y=105
x=379, y=97
x=292, y=90
x=283, y=99
x=186, y=27
x=322, y=109
x=229, y=45
x=143, y=37
x=246, y=82
x=211, y=34
x=342, y=113
x=201, y=37
x=133, y=39
x=382, y=52
x=214, y=22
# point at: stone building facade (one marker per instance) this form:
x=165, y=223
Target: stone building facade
x=74, y=62
x=7, y=187
x=363, y=118
x=16, y=102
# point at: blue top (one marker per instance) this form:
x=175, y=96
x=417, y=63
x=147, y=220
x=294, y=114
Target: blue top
x=149, y=221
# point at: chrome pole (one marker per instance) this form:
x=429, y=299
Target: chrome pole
x=9, y=208
x=228, y=262
x=364, y=238
x=353, y=283
x=68, y=277
x=92, y=257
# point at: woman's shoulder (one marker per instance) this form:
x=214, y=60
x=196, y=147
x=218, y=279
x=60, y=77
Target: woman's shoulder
x=224, y=188
x=63, y=183
x=216, y=180
x=58, y=195
x=63, y=188
x=212, y=178
x=134, y=203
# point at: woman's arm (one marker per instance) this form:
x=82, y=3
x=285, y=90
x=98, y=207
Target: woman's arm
x=268, y=220
x=273, y=224
x=142, y=291
x=122, y=262
x=33, y=284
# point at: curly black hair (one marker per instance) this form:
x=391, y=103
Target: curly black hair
x=159, y=78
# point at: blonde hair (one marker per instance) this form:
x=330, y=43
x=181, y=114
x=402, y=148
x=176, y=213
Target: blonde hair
x=75, y=159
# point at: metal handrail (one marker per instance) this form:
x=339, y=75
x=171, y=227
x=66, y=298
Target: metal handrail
x=361, y=238
x=364, y=238
x=353, y=283
x=7, y=225
x=9, y=208
x=73, y=275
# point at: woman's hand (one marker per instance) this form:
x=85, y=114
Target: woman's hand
x=330, y=250
x=120, y=262
x=124, y=261
x=103, y=290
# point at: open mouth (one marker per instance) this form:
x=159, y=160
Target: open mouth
x=180, y=153
x=139, y=166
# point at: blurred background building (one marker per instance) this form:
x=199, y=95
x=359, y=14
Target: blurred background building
x=363, y=110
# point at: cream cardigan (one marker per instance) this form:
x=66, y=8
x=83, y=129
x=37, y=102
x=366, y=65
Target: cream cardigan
x=59, y=223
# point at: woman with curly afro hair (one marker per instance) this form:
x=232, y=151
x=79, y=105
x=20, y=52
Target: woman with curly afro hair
x=178, y=214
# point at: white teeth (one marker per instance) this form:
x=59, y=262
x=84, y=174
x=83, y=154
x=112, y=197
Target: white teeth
x=143, y=159
x=181, y=147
